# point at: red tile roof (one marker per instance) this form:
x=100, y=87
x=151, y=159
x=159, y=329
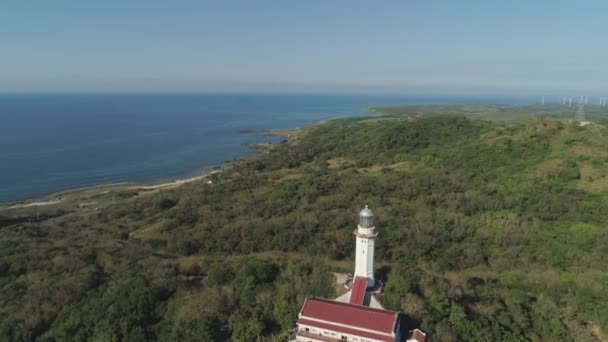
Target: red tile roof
x=357, y=294
x=348, y=318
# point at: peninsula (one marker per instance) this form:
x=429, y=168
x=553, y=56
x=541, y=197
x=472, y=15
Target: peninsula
x=493, y=228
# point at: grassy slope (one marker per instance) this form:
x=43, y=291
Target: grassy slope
x=489, y=231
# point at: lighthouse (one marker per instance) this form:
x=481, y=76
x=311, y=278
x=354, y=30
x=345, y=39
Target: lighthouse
x=356, y=315
x=365, y=235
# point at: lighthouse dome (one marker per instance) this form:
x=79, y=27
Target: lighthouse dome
x=366, y=218
x=366, y=212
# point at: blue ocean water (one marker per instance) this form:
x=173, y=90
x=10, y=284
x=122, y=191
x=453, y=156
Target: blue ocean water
x=51, y=143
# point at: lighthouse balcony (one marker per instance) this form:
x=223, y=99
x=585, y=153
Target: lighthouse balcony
x=365, y=232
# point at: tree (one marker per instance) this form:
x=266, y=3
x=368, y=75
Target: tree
x=245, y=326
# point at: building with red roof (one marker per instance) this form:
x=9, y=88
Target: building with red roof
x=324, y=320
x=356, y=316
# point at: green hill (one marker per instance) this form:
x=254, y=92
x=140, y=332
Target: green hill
x=488, y=231
x=497, y=112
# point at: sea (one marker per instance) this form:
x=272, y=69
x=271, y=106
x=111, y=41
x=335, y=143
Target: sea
x=56, y=142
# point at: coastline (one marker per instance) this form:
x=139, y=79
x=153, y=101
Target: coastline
x=60, y=197
x=289, y=135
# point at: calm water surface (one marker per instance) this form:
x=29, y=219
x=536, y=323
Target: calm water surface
x=50, y=143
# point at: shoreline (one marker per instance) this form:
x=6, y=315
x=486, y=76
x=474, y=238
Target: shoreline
x=104, y=188
x=290, y=135
x=59, y=197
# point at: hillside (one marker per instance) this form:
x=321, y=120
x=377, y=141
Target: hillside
x=497, y=112
x=488, y=231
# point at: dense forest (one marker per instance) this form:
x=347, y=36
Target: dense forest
x=489, y=231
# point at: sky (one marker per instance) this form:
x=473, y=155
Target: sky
x=491, y=46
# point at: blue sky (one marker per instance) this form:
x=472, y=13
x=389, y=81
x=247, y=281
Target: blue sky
x=550, y=47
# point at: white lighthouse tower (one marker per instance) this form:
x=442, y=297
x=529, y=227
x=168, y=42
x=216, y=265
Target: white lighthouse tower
x=366, y=234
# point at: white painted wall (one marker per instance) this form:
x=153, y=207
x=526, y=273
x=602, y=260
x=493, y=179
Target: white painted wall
x=331, y=334
x=364, y=258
